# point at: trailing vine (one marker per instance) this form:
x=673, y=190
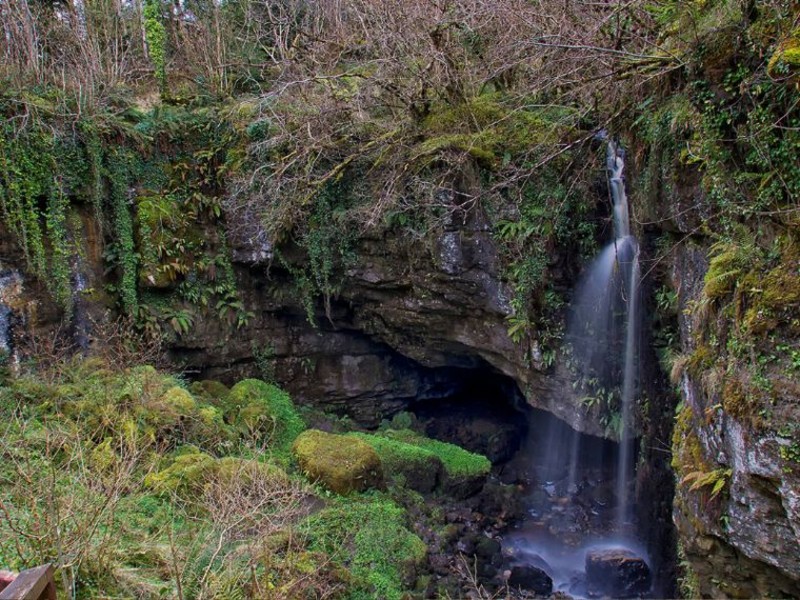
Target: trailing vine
x=156, y=37
x=123, y=249
x=61, y=251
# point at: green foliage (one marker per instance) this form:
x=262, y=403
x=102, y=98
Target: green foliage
x=122, y=251
x=729, y=260
x=35, y=169
x=154, y=181
x=715, y=480
x=156, y=38
x=264, y=411
x=264, y=357
x=370, y=536
x=551, y=214
x=734, y=120
x=117, y=476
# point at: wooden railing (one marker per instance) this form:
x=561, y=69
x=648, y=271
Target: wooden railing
x=33, y=584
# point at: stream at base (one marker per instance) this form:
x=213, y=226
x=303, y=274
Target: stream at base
x=571, y=529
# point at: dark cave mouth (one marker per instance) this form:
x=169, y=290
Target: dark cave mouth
x=485, y=412
x=478, y=409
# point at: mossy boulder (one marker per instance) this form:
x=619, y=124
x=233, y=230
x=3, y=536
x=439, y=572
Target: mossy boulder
x=341, y=463
x=265, y=411
x=785, y=62
x=412, y=466
x=184, y=474
x=369, y=535
x=210, y=390
x=163, y=414
x=463, y=473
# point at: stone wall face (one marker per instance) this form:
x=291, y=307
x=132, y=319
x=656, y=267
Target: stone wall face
x=742, y=540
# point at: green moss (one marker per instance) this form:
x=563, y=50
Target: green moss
x=210, y=390
x=369, y=535
x=456, y=460
x=488, y=126
x=342, y=464
x=185, y=474
x=463, y=472
x=409, y=465
x=189, y=470
x=687, y=452
x=773, y=299
x=785, y=61
x=702, y=359
x=265, y=411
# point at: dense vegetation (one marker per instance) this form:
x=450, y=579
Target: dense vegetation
x=295, y=122
x=134, y=484
x=167, y=133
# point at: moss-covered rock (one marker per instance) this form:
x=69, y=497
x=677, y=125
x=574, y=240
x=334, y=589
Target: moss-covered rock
x=211, y=390
x=342, y=464
x=463, y=474
x=371, y=537
x=189, y=470
x=785, y=61
x=265, y=411
x=412, y=466
x=185, y=474
x=161, y=415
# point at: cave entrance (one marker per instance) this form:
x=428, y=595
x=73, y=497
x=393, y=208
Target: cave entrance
x=478, y=409
x=555, y=452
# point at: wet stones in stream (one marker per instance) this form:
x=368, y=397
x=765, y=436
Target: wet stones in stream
x=617, y=572
x=532, y=579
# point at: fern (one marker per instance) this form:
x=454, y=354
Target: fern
x=716, y=480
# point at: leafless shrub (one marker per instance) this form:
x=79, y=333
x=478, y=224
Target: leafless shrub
x=370, y=83
x=117, y=342
x=245, y=527
x=60, y=496
x=468, y=571
x=121, y=344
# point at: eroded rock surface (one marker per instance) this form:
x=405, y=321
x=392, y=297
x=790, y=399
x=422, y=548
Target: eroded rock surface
x=737, y=505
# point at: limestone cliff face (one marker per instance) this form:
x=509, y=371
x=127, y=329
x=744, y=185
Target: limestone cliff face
x=737, y=504
x=410, y=314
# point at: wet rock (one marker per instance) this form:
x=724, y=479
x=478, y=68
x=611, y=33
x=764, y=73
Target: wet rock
x=487, y=548
x=618, y=573
x=467, y=544
x=530, y=578
x=475, y=420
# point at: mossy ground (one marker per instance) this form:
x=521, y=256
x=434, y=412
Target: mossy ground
x=161, y=487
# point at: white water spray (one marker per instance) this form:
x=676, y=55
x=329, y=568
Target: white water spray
x=605, y=326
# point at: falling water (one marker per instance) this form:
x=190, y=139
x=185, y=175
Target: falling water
x=571, y=506
x=616, y=164
x=604, y=328
x=10, y=285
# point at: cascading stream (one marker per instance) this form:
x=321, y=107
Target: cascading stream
x=604, y=330
x=616, y=164
x=580, y=511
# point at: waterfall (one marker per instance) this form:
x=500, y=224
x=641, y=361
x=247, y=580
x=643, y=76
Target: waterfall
x=573, y=519
x=10, y=288
x=604, y=329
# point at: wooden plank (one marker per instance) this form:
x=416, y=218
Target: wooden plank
x=33, y=584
